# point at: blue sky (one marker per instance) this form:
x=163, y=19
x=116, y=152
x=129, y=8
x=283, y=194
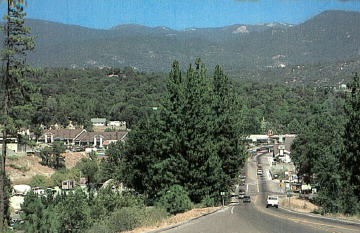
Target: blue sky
x=180, y=14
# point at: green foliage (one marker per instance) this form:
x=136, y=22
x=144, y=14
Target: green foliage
x=128, y=218
x=194, y=139
x=58, y=161
x=39, y=181
x=74, y=212
x=113, y=166
x=175, y=200
x=125, y=219
x=107, y=201
x=326, y=153
x=89, y=169
x=52, y=156
x=127, y=98
x=37, y=216
x=350, y=158
x=20, y=168
x=207, y=201
x=63, y=174
x=19, y=97
x=45, y=155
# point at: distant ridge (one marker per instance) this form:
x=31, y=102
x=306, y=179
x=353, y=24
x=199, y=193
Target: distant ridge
x=330, y=36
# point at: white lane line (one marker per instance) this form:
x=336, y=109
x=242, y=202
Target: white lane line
x=247, y=188
x=232, y=210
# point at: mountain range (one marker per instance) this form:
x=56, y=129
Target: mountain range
x=330, y=36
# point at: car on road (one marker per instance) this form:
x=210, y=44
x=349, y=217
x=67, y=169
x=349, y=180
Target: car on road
x=241, y=194
x=272, y=201
x=233, y=198
x=246, y=199
x=259, y=172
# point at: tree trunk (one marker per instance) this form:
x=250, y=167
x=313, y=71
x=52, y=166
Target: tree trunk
x=5, y=124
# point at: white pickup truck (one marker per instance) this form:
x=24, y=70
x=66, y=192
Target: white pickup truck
x=272, y=201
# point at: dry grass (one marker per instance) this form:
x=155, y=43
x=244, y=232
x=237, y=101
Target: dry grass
x=296, y=204
x=344, y=217
x=175, y=219
x=71, y=159
x=21, y=176
x=305, y=206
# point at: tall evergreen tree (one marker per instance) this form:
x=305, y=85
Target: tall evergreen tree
x=17, y=43
x=228, y=130
x=350, y=158
x=192, y=140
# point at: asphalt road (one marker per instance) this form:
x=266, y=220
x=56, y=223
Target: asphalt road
x=255, y=218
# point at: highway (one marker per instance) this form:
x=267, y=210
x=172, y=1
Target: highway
x=254, y=217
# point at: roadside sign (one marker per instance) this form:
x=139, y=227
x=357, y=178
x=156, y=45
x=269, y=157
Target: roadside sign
x=222, y=193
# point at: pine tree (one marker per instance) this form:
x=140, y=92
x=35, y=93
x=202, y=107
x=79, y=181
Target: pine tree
x=17, y=43
x=228, y=130
x=350, y=158
x=192, y=140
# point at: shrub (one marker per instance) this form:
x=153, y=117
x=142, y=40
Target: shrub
x=100, y=227
x=39, y=181
x=126, y=219
x=153, y=215
x=58, y=177
x=175, y=200
x=13, y=158
x=64, y=174
x=20, y=168
x=207, y=201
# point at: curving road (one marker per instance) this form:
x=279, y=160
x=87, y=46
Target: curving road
x=255, y=218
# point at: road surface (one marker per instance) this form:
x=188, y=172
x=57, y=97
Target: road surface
x=255, y=218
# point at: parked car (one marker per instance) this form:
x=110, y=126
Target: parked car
x=272, y=201
x=246, y=199
x=241, y=194
x=233, y=198
x=259, y=172
x=242, y=177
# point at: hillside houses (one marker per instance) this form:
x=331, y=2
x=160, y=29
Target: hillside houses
x=80, y=137
x=101, y=124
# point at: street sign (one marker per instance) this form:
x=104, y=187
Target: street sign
x=222, y=193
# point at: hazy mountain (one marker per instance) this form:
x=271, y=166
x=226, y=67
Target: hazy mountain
x=328, y=37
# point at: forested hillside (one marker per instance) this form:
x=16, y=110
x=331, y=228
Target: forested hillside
x=124, y=94
x=331, y=36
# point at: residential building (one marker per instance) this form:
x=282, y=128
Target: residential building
x=98, y=121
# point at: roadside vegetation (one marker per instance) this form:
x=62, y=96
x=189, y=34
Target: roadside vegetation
x=327, y=151
x=187, y=142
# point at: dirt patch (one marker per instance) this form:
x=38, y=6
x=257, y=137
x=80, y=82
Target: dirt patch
x=72, y=158
x=296, y=204
x=22, y=168
x=175, y=219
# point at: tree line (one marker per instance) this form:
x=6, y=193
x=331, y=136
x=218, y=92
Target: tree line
x=326, y=152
